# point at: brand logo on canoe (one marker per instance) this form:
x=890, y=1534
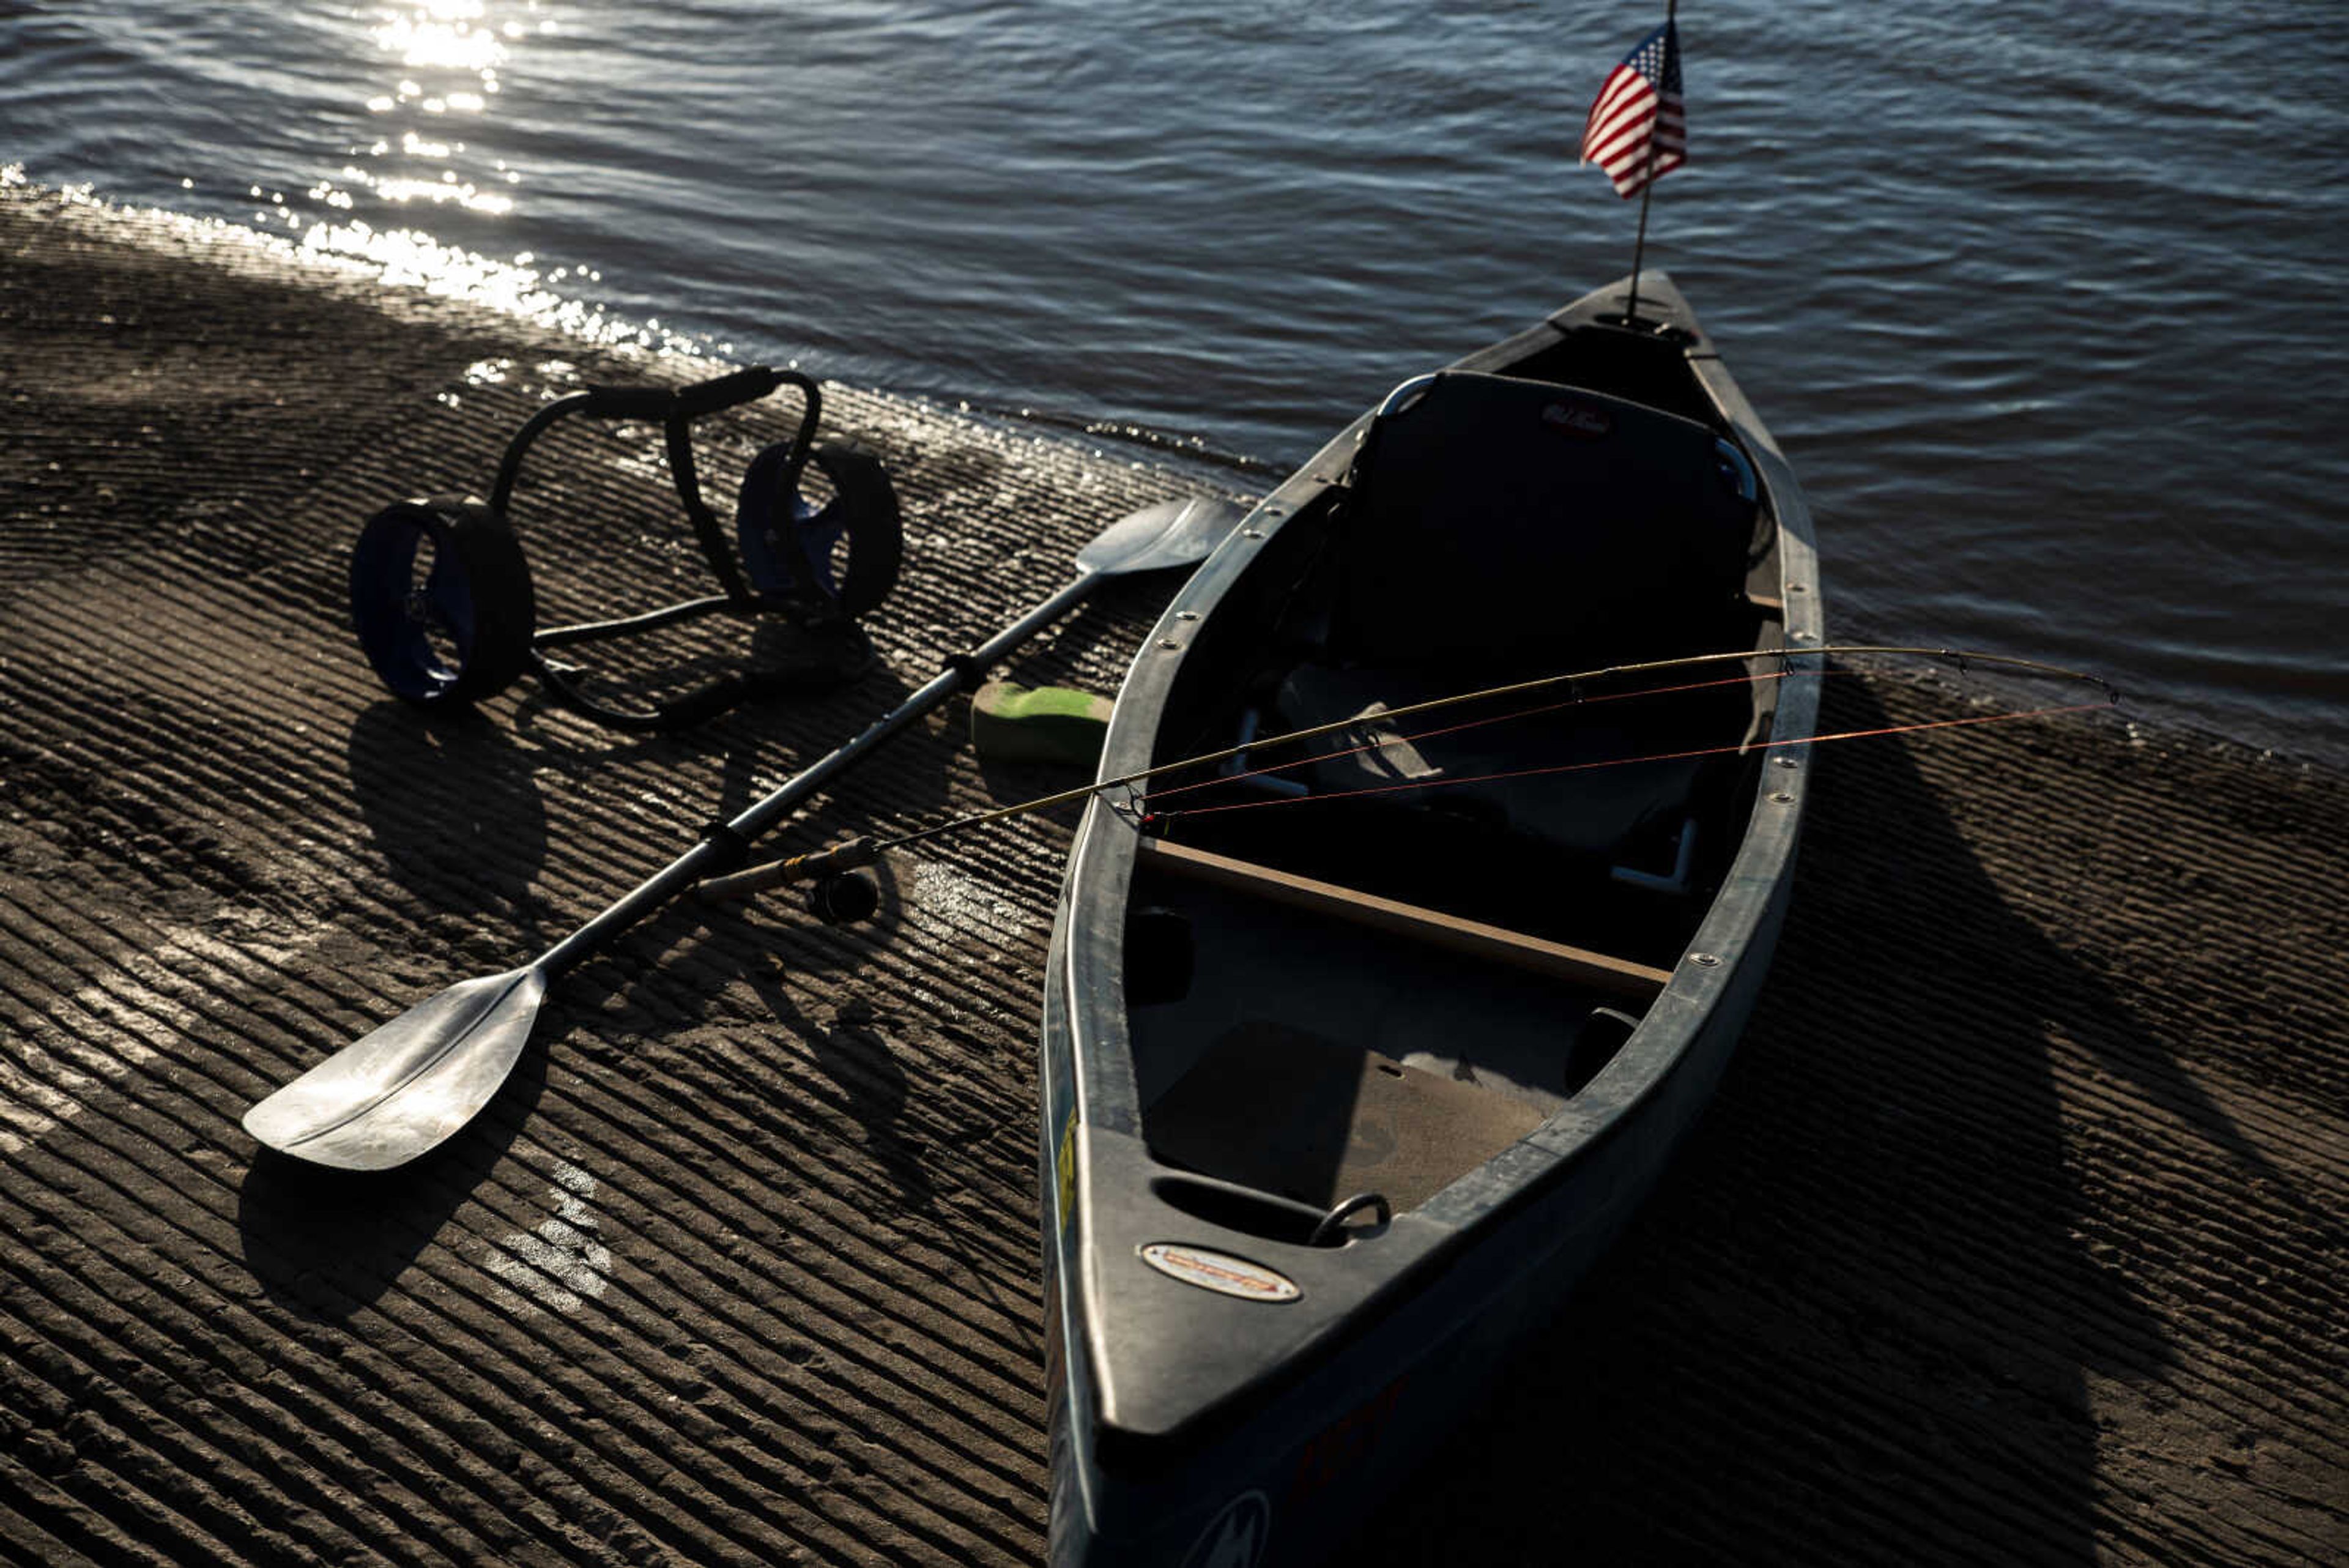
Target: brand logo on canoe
x=1220, y=1273
x=1236, y=1537
x=1577, y=419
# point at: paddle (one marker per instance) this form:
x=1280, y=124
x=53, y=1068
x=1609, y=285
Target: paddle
x=407, y=1087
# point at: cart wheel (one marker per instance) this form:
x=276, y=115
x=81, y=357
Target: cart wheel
x=440, y=598
x=863, y=510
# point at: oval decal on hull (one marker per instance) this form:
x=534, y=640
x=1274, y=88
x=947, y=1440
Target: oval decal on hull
x=1220, y=1273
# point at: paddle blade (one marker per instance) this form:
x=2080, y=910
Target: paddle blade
x=400, y=1090
x=1172, y=533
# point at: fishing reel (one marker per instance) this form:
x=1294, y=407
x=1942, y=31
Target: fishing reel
x=441, y=598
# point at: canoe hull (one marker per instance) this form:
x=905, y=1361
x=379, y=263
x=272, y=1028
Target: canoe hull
x=1287, y=1472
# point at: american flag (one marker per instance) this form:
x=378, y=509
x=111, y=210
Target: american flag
x=1640, y=98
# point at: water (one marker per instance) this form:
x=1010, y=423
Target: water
x=2041, y=297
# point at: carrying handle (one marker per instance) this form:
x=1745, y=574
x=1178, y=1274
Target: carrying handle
x=676, y=409
x=733, y=389
x=736, y=387
x=1333, y=1229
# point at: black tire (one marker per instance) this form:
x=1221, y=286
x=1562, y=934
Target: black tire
x=460, y=632
x=863, y=510
x=867, y=503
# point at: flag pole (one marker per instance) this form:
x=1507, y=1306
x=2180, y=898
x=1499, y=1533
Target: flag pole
x=1648, y=190
x=1639, y=245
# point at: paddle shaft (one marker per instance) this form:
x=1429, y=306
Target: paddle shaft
x=723, y=852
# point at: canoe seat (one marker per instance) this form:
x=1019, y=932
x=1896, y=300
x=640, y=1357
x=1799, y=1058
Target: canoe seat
x=1507, y=524
x=1498, y=529
x=1594, y=812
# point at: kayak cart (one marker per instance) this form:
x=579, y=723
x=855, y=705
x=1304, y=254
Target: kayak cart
x=441, y=598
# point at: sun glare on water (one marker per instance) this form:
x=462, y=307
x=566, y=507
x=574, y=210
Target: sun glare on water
x=447, y=54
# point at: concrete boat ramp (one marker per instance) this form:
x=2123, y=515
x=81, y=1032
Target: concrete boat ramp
x=2015, y=1235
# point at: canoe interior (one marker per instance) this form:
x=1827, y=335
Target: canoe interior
x=1575, y=511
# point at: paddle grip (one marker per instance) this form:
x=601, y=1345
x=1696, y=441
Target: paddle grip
x=846, y=856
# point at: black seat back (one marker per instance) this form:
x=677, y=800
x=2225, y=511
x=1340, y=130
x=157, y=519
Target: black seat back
x=1504, y=522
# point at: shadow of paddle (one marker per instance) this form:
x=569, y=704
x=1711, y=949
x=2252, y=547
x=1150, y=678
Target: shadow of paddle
x=325, y=1243
x=689, y=969
x=1857, y=1320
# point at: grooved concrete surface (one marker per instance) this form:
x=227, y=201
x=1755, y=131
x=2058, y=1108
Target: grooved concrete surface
x=2016, y=1233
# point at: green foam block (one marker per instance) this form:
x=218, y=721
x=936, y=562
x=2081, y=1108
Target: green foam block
x=1039, y=724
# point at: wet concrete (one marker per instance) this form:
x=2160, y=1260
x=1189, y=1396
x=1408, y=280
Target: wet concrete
x=2014, y=1235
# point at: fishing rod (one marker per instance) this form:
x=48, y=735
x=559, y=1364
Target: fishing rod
x=827, y=864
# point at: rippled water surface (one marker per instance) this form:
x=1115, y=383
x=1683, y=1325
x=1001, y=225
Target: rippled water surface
x=2043, y=297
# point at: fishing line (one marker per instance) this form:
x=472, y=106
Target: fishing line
x=1418, y=736
x=1314, y=732
x=1965, y=659
x=1163, y=816
x=854, y=853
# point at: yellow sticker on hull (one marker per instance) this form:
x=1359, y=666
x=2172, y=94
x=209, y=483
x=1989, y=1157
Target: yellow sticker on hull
x=1065, y=1167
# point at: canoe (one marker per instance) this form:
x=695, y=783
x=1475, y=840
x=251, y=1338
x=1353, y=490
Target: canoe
x=1351, y=1069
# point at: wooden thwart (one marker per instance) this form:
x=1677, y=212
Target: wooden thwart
x=1598, y=972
